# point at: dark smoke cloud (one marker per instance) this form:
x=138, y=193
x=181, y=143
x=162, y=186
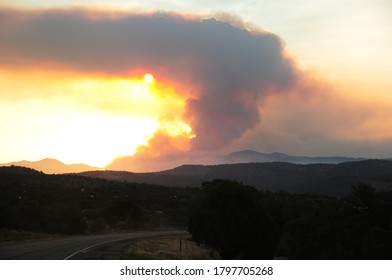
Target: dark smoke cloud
x=226, y=70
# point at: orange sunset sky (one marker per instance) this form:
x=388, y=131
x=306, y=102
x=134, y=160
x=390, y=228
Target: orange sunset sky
x=148, y=85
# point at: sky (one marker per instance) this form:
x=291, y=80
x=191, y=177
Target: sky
x=148, y=85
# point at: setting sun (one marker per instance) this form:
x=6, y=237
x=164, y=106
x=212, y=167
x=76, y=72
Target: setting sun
x=149, y=78
x=88, y=119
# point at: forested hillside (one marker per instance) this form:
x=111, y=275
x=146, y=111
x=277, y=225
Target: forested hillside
x=237, y=220
x=324, y=179
x=69, y=204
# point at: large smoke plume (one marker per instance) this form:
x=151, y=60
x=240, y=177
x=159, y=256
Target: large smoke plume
x=224, y=69
x=241, y=89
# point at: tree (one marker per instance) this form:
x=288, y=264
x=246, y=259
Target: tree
x=363, y=197
x=232, y=220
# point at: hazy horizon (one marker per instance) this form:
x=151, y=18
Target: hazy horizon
x=55, y=166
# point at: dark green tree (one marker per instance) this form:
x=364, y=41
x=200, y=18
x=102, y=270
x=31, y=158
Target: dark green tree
x=232, y=220
x=363, y=197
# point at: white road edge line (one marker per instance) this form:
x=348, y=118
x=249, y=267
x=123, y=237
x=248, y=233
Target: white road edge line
x=96, y=245
x=111, y=241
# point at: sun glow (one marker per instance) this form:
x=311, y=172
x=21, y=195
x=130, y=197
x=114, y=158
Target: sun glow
x=149, y=78
x=89, y=120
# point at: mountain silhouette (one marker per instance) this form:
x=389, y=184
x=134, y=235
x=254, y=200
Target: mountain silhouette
x=266, y=171
x=324, y=179
x=52, y=166
x=254, y=156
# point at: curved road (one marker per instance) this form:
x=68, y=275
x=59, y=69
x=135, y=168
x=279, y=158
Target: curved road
x=108, y=246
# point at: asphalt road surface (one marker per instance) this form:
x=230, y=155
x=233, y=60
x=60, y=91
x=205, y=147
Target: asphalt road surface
x=91, y=247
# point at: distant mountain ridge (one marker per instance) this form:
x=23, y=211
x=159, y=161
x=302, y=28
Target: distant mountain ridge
x=320, y=178
x=326, y=179
x=254, y=156
x=52, y=166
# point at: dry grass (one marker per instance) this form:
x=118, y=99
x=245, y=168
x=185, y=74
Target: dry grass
x=178, y=247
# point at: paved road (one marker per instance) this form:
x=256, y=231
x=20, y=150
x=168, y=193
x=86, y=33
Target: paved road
x=109, y=246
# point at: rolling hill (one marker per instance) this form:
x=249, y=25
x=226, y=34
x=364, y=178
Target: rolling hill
x=325, y=179
x=275, y=172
